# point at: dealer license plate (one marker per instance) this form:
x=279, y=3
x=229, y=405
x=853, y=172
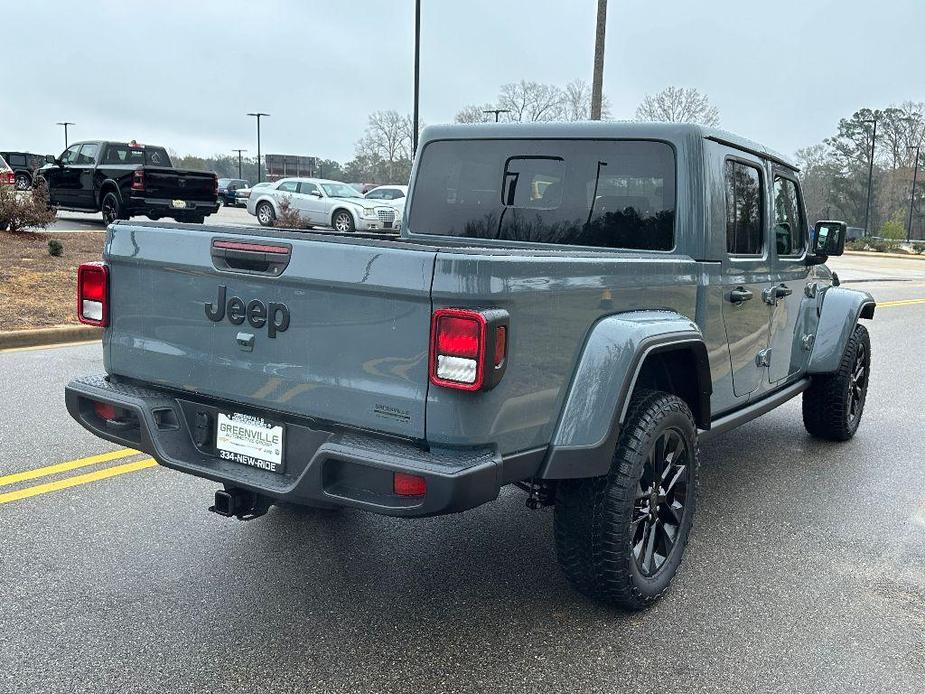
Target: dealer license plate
x=251, y=441
x=178, y=204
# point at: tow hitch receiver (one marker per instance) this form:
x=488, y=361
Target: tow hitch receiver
x=240, y=504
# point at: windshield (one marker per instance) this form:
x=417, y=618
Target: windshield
x=611, y=193
x=340, y=190
x=223, y=182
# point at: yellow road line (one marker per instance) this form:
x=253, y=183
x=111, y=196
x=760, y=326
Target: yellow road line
x=901, y=302
x=38, y=347
x=76, y=480
x=64, y=467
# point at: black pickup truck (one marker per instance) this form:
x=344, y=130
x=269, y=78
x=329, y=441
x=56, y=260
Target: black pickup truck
x=124, y=180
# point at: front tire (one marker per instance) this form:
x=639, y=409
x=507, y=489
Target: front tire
x=343, y=221
x=834, y=403
x=620, y=537
x=266, y=215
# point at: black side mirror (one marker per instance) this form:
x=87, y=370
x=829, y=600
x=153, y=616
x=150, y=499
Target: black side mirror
x=829, y=239
x=50, y=159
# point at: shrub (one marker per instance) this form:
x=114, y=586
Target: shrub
x=55, y=248
x=19, y=211
x=893, y=230
x=289, y=217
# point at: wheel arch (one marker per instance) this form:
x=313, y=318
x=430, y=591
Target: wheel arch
x=839, y=311
x=108, y=186
x=659, y=350
x=343, y=208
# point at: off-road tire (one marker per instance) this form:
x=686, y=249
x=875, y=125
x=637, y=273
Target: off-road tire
x=266, y=215
x=594, y=517
x=834, y=403
x=23, y=181
x=342, y=221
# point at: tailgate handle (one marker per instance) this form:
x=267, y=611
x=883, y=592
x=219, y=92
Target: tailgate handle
x=250, y=258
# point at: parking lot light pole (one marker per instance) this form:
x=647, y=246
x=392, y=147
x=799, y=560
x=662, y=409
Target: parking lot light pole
x=597, y=80
x=497, y=112
x=239, y=151
x=915, y=175
x=65, y=124
x=258, y=116
x=417, y=75
x=870, y=174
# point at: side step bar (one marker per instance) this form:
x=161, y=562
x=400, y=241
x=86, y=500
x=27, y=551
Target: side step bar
x=750, y=412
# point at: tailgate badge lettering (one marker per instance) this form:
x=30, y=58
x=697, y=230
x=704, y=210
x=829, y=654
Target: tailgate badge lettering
x=275, y=316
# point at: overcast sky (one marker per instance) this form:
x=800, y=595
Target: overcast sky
x=183, y=74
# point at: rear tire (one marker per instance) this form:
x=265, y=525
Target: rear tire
x=342, y=221
x=620, y=537
x=834, y=403
x=23, y=182
x=266, y=215
x=112, y=208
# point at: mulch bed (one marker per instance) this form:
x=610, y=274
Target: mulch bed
x=38, y=290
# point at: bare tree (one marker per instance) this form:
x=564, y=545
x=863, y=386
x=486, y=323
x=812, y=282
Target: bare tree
x=577, y=102
x=387, y=143
x=678, y=105
x=475, y=114
x=532, y=101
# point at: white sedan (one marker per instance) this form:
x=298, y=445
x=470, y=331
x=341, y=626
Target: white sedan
x=321, y=202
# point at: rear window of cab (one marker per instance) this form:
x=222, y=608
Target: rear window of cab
x=604, y=193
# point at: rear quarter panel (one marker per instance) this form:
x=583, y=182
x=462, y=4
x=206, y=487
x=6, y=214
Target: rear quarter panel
x=553, y=300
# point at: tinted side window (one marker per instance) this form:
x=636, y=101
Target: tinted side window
x=308, y=188
x=88, y=154
x=288, y=187
x=605, y=193
x=70, y=154
x=17, y=160
x=377, y=195
x=744, y=209
x=789, y=225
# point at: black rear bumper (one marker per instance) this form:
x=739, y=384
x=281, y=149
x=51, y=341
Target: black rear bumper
x=322, y=464
x=138, y=206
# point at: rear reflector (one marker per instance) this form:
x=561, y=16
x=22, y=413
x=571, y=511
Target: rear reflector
x=105, y=410
x=93, y=294
x=409, y=485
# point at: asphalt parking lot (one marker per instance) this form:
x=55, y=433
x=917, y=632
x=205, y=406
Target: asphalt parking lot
x=805, y=571
x=81, y=221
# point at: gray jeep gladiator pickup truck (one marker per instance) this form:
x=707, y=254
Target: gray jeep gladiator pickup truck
x=569, y=308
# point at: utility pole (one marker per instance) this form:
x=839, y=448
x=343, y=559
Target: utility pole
x=497, y=112
x=597, y=82
x=417, y=75
x=915, y=175
x=239, y=151
x=258, y=116
x=870, y=174
x=65, y=124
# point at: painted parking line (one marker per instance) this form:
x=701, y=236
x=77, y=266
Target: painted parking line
x=65, y=467
x=77, y=480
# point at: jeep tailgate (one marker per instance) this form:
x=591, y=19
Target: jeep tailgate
x=354, y=350
x=183, y=184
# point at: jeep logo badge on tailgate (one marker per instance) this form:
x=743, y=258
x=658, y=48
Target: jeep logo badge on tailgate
x=257, y=313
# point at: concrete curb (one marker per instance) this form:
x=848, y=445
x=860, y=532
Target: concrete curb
x=875, y=254
x=49, y=336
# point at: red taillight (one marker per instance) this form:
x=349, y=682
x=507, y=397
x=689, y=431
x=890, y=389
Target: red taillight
x=404, y=484
x=216, y=185
x=93, y=294
x=10, y=178
x=138, y=180
x=459, y=353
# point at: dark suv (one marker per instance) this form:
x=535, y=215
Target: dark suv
x=24, y=164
